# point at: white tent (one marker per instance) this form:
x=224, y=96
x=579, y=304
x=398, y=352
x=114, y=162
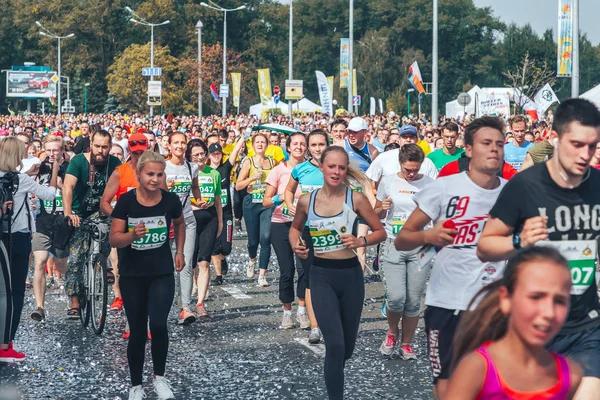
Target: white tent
x=257, y=109
x=454, y=110
x=593, y=95
x=307, y=106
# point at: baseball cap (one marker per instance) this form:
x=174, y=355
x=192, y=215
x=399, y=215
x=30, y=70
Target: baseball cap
x=214, y=148
x=408, y=130
x=357, y=124
x=138, y=142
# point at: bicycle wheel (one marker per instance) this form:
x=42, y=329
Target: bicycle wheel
x=98, y=294
x=84, y=304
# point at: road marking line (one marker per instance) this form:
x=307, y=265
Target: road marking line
x=235, y=292
x=318, y=349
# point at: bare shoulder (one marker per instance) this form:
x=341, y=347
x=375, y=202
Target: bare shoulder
x=467, y=379
x=576, y=374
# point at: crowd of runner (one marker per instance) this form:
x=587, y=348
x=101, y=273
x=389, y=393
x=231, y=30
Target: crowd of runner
x=495, y=222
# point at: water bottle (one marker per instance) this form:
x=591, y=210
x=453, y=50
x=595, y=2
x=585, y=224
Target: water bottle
x=259, y=169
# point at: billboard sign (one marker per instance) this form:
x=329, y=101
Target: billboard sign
x=31, y=84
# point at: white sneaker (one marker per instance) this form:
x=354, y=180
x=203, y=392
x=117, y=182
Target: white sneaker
x=287, y=322
x=315, y=336
x=250, y=269
x=262, y=281
x=162, y=387
x=303, y=320
x=137, y=393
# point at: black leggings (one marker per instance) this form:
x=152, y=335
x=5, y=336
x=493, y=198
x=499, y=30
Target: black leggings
x=207, y=225
x=223, y=243
x=20, y=250
x=145, y=297
x=337, y=291
x=238, y=203
x=6, y=297
x=288, y=264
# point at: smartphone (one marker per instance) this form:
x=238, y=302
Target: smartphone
x=302, y=242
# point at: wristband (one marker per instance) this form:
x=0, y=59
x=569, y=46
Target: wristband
x=277, y=199
x=364, y=240
x=180, y=252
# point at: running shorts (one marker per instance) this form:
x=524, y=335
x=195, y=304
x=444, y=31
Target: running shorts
x=440, y=326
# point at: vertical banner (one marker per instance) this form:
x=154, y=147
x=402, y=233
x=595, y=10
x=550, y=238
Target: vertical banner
x=264, y=86
x=344, y=63
x=380, y=106
x=330, y=82
x=354, y=85
x=236, y=80
x=565, y=38
x=324, y=93
x=372, y=108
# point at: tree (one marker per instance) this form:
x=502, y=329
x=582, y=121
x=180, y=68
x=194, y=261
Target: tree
x=527, y=79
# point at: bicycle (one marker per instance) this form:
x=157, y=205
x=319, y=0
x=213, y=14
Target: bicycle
x=94, y=299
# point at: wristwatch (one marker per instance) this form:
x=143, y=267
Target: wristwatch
x=516, y=240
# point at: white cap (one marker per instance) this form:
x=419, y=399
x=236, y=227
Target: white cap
x=357, y=124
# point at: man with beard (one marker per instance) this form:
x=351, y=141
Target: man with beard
x=516, y=150
x=83, y=187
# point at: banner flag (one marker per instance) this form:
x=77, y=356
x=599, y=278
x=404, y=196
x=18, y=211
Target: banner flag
x=565, y=38
x=236, y=80
x=344, y=62
x=380, y=106
x=545, y=98
x=213, y=91
x=372, y=108
x=324, y=93
x=415, y=78
x=354, y=84
x=264, y=86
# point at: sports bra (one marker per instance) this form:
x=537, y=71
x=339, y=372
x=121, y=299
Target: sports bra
x=494, y=387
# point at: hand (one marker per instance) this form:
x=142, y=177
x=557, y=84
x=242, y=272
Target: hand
x=6, y=206
x=534, y=230
x=440, y=236
x=33, y=171
x=387, y=204
x=292, y=209
x=139, y=231
x=351, y=241
x=257, y=175
x=301, y=250
x=203, y=204
x=75, y=221
x=179, y=262
x=170, y=185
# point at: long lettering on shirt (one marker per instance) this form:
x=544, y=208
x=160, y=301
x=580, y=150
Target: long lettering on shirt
x=469, y=229
x=573, y=218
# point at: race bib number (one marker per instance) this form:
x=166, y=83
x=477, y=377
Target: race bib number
x=325, y=237
x=48, y=204
x=309, y=188
x=285, y=211
x=207, y=188
x=224, y=197
x=157, y=232
x=398, y=221
x=182, y=185
x=581, y=255
x=258, y=192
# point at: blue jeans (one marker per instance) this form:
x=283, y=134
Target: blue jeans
x=258, y=226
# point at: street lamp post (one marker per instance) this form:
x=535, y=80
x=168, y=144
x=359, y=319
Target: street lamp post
x=199, y=26
x=224, y=11
x=139, y=20
x=291, y=51
x=408, y=92
x=435, y=116
x=350, y=53
x=47, y=33
x=85, y=90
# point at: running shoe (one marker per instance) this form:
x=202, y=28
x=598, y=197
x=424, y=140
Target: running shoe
x=387, y=347
x=162, y=387
x=250, y=269
x=303, y=321
x=315, y=336
x=201, y=311
x=218, y=280
x=238, y=226
x=287, y=322
x=38, y=315
x=186, y=317
x=262, y=281
x=224, y=266
x=407, y=353
x=10, y=355
x=49, y=281
x=137, y=393
x=117, y=304
x=126, y=333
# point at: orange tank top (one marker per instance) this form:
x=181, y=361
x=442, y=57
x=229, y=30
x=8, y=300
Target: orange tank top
x=127, y=179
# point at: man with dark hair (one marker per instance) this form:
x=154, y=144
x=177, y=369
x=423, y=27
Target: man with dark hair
x=82, y=143
x=457, y=275
x=557, y=203
x=515, y=151
x=449, y=152
x=338, y=132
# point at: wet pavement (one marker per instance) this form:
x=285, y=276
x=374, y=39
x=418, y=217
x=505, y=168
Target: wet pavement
x=238, y=353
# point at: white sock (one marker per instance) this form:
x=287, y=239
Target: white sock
x=287, y=312
x=301, y=310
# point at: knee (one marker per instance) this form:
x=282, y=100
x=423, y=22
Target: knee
x=336, y=351
x=396, y=301
x=158, y=328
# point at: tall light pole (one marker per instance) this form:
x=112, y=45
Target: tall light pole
x=85, y=90
x=350, y=54
x=575, y=72
x=224, y=11
x=291, y=51
x=199, y=26
x=47, y=33
x=435, y=114
x=139, y=20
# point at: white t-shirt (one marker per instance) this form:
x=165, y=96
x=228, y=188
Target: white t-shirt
x=180, y=174
x=402, y=193
x=387, y=163
x=457, y=273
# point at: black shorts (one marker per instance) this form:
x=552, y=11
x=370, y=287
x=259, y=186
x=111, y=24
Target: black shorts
x=440, y=326
x=583, y=347
x=223, y=242
x=207, y=224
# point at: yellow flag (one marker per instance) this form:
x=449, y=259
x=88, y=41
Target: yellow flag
x=354, y=85
x=236, y=80
x=330, y=82
x=264, y=85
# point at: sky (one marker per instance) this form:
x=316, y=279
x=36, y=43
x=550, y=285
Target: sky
x=543, y=14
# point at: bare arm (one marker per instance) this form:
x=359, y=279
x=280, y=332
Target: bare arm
x=196, y=189
x=528, y=162
x=110, y=191
x=67, y=194
x=119, y=236
x=288, y=195
x=467, y=380
x=236, y=150
x=243, y=179
x=269, y=193
x=298, y=226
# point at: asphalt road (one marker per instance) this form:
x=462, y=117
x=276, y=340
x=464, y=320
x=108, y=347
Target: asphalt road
x=238, y=353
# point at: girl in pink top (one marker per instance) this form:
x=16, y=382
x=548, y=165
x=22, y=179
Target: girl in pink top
x=499, y=349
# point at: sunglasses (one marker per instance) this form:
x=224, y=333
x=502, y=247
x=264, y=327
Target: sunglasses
x=138, y=143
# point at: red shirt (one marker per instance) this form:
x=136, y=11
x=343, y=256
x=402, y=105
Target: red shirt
x=508, y=171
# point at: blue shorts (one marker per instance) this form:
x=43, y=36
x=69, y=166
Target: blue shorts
x=582, y=347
